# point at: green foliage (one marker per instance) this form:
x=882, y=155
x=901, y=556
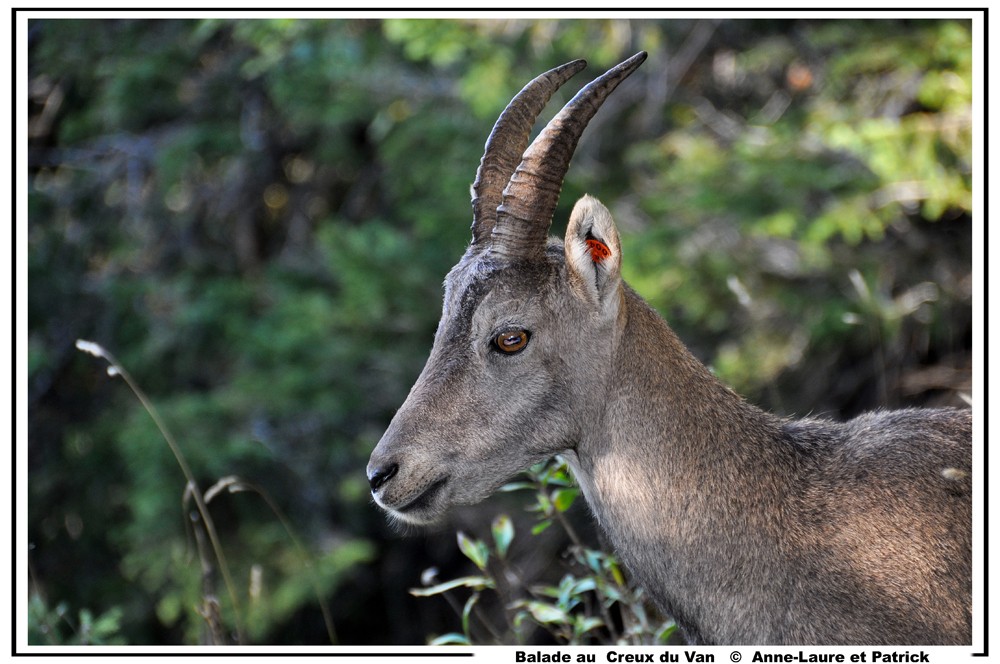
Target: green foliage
x=503, y=534
x=256, y=215
x=592, y=603
x=775, y=200
x=318, y=579
x=57, y=627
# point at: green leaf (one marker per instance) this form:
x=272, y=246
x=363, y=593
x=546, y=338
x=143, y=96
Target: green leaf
x=583, y=585
x=616, y=573
x=544, y=613
x=451, y=638
x=474, y=550
x=571, y=591
x=516, y=486
x=503, y=534
x=474, y=582
x=168, y=609
x=594, y=560
x=584, y=624
x=541, y=526
x=467, y=612
x=666, y=631
x=563, y=498
x=612, y=594
x=107, y=624
x=557, y=473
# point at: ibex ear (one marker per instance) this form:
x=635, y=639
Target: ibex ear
x=593, y=252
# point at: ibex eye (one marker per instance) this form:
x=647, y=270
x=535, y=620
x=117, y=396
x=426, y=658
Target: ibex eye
x=511, y=341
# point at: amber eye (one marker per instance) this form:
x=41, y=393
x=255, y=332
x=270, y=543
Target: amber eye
x=511, y=341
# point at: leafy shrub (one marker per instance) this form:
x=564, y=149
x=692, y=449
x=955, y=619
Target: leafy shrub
x=57, y=627
x=593, y=603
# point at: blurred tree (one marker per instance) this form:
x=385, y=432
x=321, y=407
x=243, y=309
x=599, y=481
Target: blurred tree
x=256, y=215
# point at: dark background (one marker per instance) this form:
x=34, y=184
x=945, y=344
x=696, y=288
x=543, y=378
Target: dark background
x=256, y=216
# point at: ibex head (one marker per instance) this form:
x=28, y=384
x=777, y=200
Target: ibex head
x=519, y=363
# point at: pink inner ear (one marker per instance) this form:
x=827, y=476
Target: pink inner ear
x=599, y=251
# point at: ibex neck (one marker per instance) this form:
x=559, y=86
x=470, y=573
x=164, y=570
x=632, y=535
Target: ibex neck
x=671, y=471
x=664, y=401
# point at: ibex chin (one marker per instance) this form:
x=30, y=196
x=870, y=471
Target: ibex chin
x=743, y=526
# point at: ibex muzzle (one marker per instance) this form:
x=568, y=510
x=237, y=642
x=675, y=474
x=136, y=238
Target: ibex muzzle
x=745, y=527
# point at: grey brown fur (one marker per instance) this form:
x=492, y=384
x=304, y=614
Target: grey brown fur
x=744, y=526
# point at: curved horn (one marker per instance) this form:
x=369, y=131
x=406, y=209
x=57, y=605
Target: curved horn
x=507, y=142
x=526, y=208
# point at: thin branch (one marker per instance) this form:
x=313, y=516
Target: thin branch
x=116, y=369
x=235, y=484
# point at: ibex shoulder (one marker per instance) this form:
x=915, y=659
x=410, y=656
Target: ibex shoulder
x=897, y=449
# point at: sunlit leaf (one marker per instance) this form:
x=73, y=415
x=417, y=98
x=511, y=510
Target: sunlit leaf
x=584, y=624
x=474, y=550
x=474, y=582
x=515, y=486
x=452, y=638
x=544, y=613
x=540, y=526
x=562, y=499
x=467, y=611
x=503, y=534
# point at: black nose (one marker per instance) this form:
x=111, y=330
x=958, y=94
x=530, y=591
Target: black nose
x=382, y=475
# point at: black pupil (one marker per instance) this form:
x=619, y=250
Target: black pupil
x=512, y=339
x=511, y=342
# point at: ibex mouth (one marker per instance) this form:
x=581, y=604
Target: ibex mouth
x=421, y=502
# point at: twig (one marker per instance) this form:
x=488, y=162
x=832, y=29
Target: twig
x=233, y=484
x=578, y=543
x=116, y=369
x=209, y=609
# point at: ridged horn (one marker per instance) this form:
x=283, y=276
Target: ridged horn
x=507, y=142
x=530, y=198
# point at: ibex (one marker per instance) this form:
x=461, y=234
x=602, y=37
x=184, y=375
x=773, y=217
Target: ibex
x=743, y=526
